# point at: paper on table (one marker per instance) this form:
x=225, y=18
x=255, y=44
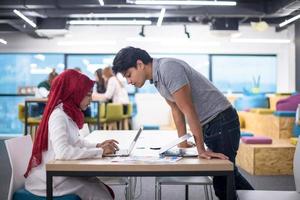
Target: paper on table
x=147, y=159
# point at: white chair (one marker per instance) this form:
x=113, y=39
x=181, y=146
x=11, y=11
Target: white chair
x=277, y=195
x=18, y=158
x=197, y=180
x=19, y=151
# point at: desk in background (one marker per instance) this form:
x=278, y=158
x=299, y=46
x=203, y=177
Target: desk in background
x=104, y=167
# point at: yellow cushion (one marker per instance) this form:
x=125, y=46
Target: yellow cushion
x=261, y=110
x=294, y=140
x=242, y=121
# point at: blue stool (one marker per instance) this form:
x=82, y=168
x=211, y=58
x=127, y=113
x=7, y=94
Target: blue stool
x=150, y=127
x=22, y=194
x=296, y=130
x=246, y=134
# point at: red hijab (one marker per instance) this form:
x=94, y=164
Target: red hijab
x=69, y=88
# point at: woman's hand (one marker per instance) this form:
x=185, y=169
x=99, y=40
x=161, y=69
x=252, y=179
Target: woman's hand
x=108, y=146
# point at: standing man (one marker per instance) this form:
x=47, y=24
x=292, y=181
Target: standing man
x=191, y=96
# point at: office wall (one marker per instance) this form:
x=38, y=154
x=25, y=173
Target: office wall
x=165, y=39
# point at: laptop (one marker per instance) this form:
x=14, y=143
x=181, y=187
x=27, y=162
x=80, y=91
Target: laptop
x=127, y=152
x=168, y=150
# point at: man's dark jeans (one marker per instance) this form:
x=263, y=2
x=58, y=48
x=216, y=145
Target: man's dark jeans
x=222, y=135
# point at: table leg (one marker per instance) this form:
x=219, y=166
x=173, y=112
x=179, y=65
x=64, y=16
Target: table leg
x=25, y=118
x=229, y=186
x=49, y=186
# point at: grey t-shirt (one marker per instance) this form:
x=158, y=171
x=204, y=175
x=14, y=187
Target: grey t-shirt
x=170, y=74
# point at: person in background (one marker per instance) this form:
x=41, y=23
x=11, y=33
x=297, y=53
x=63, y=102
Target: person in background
x=58, y=138
x=115, y=90
x=100, y=83
x=191, y=97
x=43, y=87
x=42, y=91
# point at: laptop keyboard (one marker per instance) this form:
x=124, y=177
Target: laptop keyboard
x=122, y=152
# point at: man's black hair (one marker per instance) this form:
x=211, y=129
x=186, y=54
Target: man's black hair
x=127, y=57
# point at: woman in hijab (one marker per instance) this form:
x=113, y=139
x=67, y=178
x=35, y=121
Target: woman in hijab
x=58, y=138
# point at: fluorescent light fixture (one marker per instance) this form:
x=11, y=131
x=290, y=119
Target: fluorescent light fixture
x=101, y=2
x=86, y=43
x=26, y=19
x=3, y=41
x=260, y=40
x=51, y=32
x=161, y=17
x=115, y=15
x=195, y=3
x=173, y=41
x=110, y=22
x=289, y=20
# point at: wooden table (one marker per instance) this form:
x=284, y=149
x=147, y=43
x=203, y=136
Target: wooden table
x=44, y=100
x=104, y=166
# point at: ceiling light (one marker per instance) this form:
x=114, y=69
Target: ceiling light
x=86, y=43
x=101, y=2
x=3, y=41
x=50, y=33
x=142, y=34
x=260, y=40
x=26, y=19
x=196, y=3
x=110, y=22
x=115, y=15
x=286, y=22
x=161, y=17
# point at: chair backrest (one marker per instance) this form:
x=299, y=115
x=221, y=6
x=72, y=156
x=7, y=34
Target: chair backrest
x=102, y=110
x=19, y=151
x=114, y=112
x=21, y=112
x=297, y=166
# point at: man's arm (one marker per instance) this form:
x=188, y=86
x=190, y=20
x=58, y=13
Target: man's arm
x=179, y=121
x=183, y=99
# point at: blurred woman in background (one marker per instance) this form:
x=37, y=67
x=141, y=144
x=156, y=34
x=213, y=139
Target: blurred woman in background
x=100, y=83
x=115, y=90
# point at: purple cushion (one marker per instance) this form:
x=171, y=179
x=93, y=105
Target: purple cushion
x=257, y=140
x=288, y=104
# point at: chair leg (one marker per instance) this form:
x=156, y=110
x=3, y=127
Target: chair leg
x=128, y=192
x=186, y=192
x=211, y=193
x=157, y=191
x=206, y=192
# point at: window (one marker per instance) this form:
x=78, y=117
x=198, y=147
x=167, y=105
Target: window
x=237, y=73
x=19, y=70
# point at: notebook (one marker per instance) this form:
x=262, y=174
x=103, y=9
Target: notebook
x=127, y=152
x=168, y=150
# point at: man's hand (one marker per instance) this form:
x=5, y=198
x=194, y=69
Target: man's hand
x=186, y=144
x=108, y=146
x=208, y=154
